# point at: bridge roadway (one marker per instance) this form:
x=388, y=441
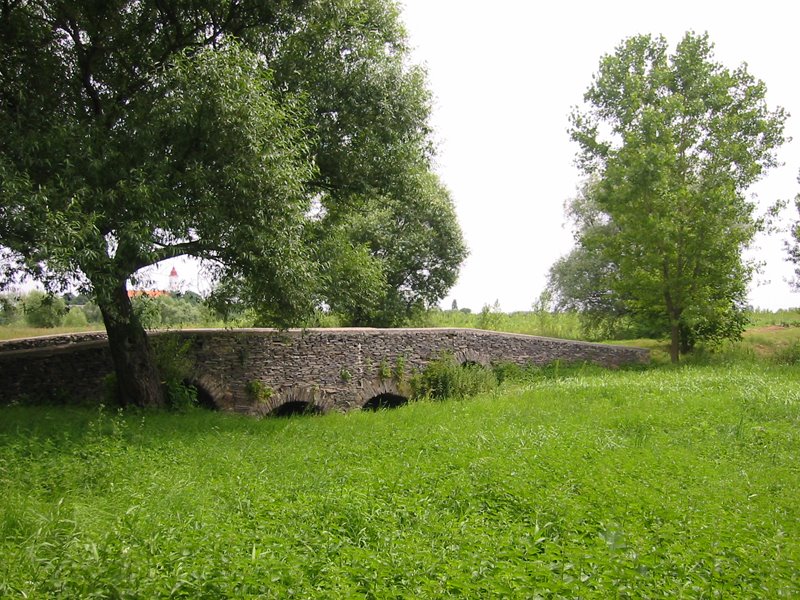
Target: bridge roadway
x=267, y=371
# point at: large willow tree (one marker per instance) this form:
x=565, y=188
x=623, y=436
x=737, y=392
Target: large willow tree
x=674, y=140
x=237, y=132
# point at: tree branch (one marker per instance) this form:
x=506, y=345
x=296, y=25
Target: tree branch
x=84, y=57
x=167, y=251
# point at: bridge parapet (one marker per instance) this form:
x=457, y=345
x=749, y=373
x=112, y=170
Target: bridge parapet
x=256, y=371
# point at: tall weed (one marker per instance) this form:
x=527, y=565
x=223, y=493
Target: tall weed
x=445, y=378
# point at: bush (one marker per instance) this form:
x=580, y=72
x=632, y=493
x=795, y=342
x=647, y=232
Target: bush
x=490, y=317
x=147, y=310
x=92, y=312
x=507, y=371
x=180, y=395
x=75, y=317
x=444, y=378
x=43, y=310
x=10, y=309
x=790, y=355
x=179, y=311
x=175, y=367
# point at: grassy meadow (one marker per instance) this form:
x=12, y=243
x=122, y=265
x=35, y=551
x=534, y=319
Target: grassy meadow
x=564, y=483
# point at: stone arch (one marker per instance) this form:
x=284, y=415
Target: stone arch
x=382, y=393
x=210, y=393
x=204, y=397
x=385, y=400
x=469, y=356
x=296, y=400
x=292, y=408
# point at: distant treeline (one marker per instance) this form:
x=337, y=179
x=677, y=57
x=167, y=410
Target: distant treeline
x=41, y=310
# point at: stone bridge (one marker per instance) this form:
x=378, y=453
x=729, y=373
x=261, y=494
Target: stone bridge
x=266, y=371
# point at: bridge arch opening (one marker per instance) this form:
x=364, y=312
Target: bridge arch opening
x=385, y=400
x=293, y=408
x=204, y=397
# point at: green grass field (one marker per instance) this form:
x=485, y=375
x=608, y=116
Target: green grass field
x=584, y=483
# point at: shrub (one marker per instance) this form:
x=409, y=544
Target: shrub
x=75, y=317
x=444, y=378
x=147, y=311
x=259, y=392
x=92, y=312
x=384, y=370
x=9, y=309
x=179, y=311
x=790, y=355
x=180, y=395
x=175, y=367
x=490, y=317
x=506, y=371
x=43, y=310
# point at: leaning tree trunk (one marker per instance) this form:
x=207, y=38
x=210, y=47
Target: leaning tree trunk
x=138, y=381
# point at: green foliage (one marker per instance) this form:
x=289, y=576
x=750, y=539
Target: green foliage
x=147, y=311
x=10, y=309
x=43, y=310
x=76, y=317
x=583, y=281
x=180, y=396
x=170, y=311
x=414, y=246
x=399, y=369
x=793, y=246
x=345, y=375
x=506, y=371
x=673, y=142
x=588, y=484
x=785, y=317
x=92, y=312
x=384, y=370
x=789, y=355
x=175, y=368
x=445, y=378
x=259, y=392
x=181, y=310
x=489, y=317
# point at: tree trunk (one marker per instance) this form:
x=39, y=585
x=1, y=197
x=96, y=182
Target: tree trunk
x=675, y=342
x=138, y=382
x=687, y=340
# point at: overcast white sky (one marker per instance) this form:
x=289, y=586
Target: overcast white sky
x=505, y=75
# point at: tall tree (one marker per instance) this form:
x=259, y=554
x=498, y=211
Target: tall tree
x=414, y=240
x=793, y=246
x=675, y=140
x=582, y=281
x=140, y=130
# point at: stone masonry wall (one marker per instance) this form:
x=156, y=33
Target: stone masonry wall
x=255, y=371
